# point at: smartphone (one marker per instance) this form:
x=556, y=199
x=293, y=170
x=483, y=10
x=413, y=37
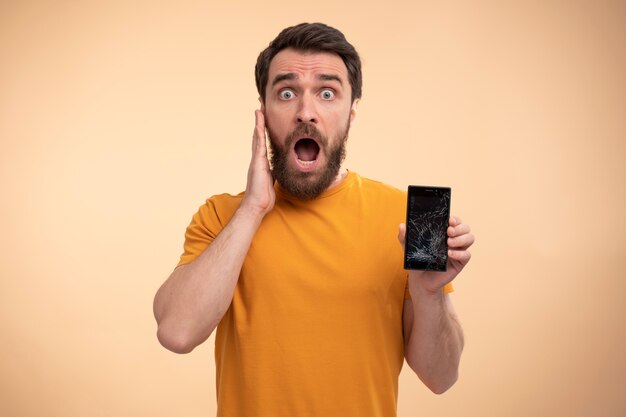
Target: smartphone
x=427, y=221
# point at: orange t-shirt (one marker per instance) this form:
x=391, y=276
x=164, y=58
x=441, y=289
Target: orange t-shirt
x=315, y=325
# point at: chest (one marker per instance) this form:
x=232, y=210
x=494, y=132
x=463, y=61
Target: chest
x=321, y=259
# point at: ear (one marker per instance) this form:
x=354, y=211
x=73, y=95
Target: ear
x=353, y=109
x=262, y=105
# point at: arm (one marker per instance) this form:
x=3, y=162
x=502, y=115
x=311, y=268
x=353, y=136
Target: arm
x=433, y=339
x=195, y=297
x=432, y=334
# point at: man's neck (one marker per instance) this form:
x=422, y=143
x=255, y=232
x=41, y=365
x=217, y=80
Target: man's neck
x=343, y=173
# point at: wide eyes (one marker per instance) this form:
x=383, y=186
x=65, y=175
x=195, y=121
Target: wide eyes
x=286, y=94
x=325, y=94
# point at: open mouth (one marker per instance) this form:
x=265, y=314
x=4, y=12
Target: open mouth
x=307, y=151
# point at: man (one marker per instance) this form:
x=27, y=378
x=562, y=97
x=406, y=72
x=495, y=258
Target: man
x=302, y=275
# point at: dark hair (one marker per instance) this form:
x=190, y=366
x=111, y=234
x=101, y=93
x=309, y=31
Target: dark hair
x=316, y=37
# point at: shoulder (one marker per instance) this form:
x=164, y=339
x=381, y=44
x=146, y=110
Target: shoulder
x=225, y=202
x=380, y=189
x=220, y=208
x=207, y=223
x=381, y=198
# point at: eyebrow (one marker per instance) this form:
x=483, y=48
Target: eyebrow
x=288, y=76
x=330, y=77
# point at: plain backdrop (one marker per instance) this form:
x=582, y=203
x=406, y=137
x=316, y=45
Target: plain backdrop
x=119, y=118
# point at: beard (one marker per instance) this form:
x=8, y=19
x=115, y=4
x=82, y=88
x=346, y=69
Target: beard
x=307, y=185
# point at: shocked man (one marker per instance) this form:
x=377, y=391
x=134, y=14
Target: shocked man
x=302, y=274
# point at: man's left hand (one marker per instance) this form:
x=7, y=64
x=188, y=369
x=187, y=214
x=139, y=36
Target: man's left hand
x=459, y=241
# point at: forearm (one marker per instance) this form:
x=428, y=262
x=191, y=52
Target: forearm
x=434, y=348
x=193, y=300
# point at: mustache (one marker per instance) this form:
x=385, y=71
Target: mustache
x=306, y=129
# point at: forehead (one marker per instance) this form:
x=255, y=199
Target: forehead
x=303, y=63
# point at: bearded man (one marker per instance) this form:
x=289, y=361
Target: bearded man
x=302, y=273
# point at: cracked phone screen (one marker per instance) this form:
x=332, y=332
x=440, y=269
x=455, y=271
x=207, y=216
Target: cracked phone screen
x=427, y=220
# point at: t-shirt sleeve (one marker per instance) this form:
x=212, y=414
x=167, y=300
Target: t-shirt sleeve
x=204, y=227
x=447, y=289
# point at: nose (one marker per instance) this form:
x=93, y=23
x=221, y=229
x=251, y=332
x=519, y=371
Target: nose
x=307, y=112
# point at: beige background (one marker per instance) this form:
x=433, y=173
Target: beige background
x=118, y=118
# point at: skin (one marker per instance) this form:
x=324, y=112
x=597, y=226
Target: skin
x=308, y=88
x=193, y=300
x=432, y=333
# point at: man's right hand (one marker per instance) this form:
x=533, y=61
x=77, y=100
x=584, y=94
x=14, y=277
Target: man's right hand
x=260, y=194
x=193, y=300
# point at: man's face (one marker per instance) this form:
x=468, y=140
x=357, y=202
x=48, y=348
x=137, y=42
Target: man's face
x=308, y=111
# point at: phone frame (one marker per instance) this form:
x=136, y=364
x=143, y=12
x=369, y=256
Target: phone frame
x=416, y=191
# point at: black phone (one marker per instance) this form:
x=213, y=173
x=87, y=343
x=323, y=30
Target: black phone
x=427, y=221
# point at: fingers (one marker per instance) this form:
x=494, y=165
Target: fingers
x=258, y=137
x=255, y=136
x=459, y=235
x=259, y=162
x=401, y=233
x=259, y=193
x=457, y=228
x=461, y=242
x=462, y=256
x=454, y=221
